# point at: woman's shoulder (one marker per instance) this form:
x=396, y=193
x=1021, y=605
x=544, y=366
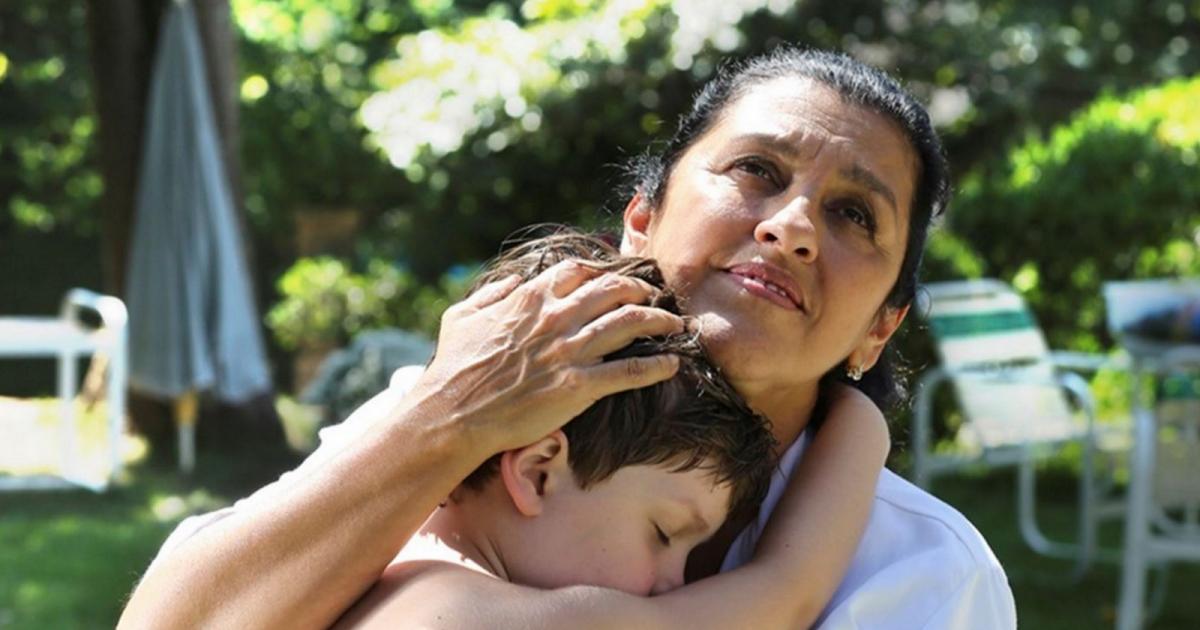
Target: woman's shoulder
x=928, y=560
x=929, y=521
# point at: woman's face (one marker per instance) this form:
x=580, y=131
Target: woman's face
x=783, y=228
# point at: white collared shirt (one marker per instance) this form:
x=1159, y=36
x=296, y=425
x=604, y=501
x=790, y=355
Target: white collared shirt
x=920, y=564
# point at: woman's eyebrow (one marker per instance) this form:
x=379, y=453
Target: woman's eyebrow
x=863, y=176
x=857, y=173
x=773, y=143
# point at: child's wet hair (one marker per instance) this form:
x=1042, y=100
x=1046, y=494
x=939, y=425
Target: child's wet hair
x=692, y=420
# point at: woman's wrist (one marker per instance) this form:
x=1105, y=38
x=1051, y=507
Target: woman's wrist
x=457, y=437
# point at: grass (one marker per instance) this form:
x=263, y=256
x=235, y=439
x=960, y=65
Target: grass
x=1046, y=598
x=70, y=558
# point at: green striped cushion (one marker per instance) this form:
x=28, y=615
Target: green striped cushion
x=950, y=326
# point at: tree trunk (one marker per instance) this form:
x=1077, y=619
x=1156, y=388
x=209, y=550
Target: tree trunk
x=122, y=35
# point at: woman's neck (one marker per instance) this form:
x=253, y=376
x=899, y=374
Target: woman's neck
x=788, y=408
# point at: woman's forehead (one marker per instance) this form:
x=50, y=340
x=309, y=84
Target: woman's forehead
x=806, y=119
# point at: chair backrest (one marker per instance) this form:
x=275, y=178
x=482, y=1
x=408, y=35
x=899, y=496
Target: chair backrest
x=981, y=324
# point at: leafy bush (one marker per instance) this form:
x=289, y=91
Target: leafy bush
x=1112, y=194
x=325, y=302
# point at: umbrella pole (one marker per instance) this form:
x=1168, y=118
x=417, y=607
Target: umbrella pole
x=185, y=425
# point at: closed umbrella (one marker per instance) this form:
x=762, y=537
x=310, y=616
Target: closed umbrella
x=193, y=324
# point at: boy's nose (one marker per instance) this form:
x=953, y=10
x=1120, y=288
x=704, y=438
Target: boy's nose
x=669, y=579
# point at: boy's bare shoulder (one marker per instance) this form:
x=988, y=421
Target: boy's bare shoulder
x=421, y=593
x=440, y=594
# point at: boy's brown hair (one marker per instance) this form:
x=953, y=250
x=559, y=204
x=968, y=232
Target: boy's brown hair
x=692, y=420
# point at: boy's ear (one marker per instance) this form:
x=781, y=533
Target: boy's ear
x=636, y=222
x=532, y=473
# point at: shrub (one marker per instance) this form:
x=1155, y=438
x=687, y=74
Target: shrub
x=325, y=302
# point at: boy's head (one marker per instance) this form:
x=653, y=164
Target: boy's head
x=622, y=493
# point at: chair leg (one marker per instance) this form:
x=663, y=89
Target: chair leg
x=1088, y=520
x=1032, y=534
x=1130, y=607
x=1158, y=591
x=66, y=405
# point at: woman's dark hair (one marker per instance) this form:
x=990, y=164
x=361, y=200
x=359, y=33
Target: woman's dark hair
x=858, y=84
x=692, y=420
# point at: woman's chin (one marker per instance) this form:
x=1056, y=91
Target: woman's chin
x=743, y=355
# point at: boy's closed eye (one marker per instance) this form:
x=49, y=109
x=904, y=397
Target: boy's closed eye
x=663, y=538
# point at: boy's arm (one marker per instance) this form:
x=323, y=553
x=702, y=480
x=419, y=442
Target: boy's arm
x=800, y=560
x=815, y=529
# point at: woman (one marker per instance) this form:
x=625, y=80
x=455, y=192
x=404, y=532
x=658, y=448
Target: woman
x=789, y=212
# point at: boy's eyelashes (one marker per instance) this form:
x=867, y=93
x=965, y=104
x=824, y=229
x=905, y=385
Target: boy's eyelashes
x=662, y=536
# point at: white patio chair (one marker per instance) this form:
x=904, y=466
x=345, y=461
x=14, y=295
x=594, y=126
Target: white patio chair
x=1163, y=522
x=66, y=338
x=1016, y=399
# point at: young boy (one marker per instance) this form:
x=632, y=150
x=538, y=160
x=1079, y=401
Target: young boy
x=606, y=508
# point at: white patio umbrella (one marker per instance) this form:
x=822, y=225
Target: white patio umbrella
x=192, y=321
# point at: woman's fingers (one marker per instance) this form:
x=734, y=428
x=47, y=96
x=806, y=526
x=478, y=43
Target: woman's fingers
x=611, y=377
x=563, y=278
x=604, y=294
x=618, y=328
x=492, y=292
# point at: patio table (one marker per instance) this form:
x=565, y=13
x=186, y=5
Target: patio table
x=1149, y=536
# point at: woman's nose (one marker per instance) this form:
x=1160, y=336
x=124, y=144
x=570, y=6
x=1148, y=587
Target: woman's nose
x=791, y=229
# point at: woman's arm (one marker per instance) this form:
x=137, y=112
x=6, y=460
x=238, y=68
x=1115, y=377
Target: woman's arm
x=513, y=364
x=799, y=562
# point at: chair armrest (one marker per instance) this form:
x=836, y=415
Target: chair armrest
x=1087, y=361
x=111, y=310
x=1074, y=384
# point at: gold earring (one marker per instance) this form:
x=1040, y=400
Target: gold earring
x=855, y=372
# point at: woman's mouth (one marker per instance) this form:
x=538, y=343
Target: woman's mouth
x=768, y=283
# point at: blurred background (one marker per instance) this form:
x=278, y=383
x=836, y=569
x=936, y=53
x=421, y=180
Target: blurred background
x=376, y=152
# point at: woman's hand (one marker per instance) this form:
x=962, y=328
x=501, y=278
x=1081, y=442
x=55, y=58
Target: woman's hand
x=517, y=361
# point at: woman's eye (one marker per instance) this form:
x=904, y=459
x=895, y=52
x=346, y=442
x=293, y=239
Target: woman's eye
x=662, y=536
x=859, y=215
x=759, y=169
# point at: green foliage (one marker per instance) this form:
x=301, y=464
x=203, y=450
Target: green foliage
x=48, y=177
x=948, y=257
x=1112, y=194
x=326, y=303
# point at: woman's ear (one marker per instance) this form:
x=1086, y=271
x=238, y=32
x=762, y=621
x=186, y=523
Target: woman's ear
x=887, y=321
x=636, y=221
x=532, y=473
